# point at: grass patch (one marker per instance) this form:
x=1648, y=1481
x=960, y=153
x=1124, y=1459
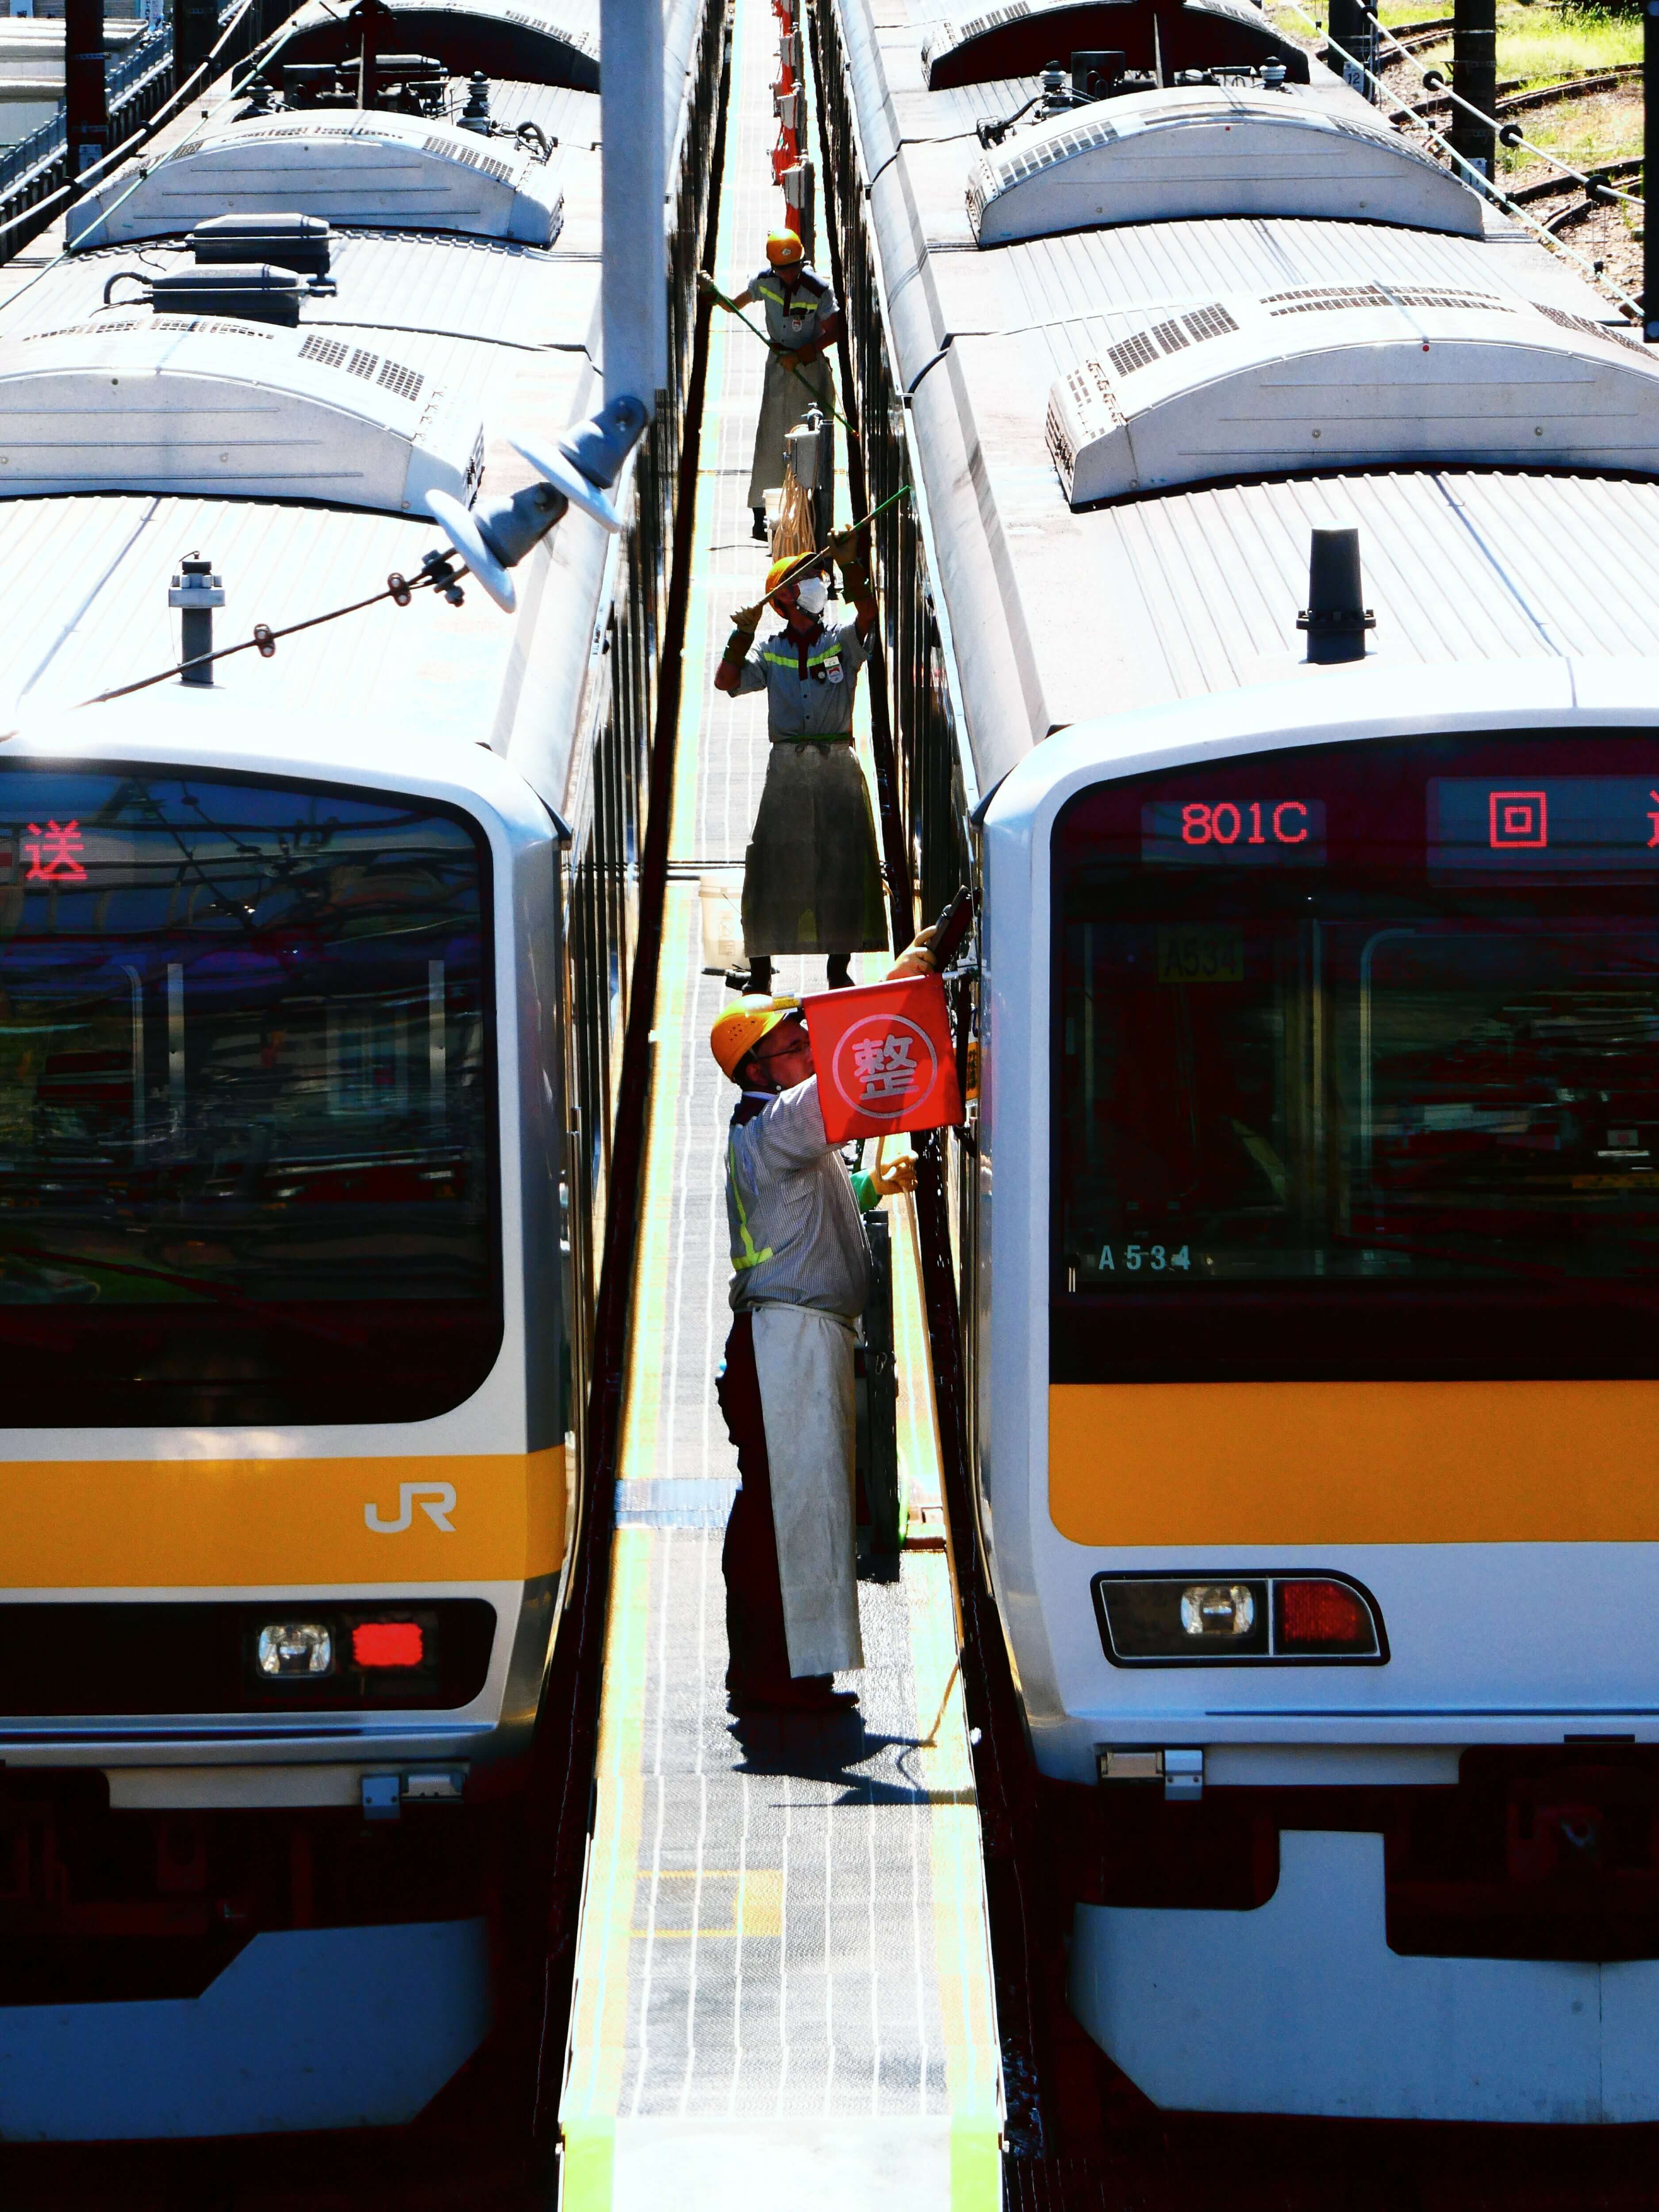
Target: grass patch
x=1539, y=41
x=1541, y=44
x=1585, y=133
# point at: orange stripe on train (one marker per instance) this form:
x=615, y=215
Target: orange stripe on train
x=1211, y=1464
x=183, y=1523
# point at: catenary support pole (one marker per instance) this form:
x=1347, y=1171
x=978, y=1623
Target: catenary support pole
x=631, y=106
x=1474, y=78
x=195, y=27
x=1354, y=28
x=1650, y=167
x=86, y=113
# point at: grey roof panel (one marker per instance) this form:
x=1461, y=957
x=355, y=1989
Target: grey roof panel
x=485, y=291
x=1216, y=150
x=1057, y=617
x=347, y=166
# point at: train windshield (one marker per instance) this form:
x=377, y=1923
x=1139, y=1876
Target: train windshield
x=1357, y=1063
x=246, y=1135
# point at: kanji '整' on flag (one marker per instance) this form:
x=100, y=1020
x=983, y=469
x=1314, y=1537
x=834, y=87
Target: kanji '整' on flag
x=884, y=1058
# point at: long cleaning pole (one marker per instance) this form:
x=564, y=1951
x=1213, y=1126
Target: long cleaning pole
x=815, y=558
x=733, y=308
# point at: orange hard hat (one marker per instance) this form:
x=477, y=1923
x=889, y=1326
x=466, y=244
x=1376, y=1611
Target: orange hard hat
x=780, y=570
x=739, y=1028
x=783, y=249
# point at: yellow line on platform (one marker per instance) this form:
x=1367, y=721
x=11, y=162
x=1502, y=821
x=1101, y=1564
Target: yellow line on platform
x=599, y=2024
x=967, y=2008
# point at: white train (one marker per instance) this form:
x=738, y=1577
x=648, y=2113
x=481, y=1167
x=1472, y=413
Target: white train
x=1307, y=1226
x=313, y=976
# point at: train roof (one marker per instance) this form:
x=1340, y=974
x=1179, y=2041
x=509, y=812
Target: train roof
x=396, y=171
x=1126, y=428
x=298, y=459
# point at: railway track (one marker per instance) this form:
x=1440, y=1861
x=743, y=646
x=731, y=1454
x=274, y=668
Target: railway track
x=1518, y=97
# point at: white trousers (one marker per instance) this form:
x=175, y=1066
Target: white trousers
x=804, y=1360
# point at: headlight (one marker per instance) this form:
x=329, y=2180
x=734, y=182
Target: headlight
x=295, y=1647
x=1218, y=1609
x=1203, y=1619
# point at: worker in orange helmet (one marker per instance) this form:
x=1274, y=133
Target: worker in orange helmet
x=800, y=1276
x=811, y=878
x=802, y=319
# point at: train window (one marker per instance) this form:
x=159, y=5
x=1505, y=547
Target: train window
x=1357, y=1063
x=247, y=1152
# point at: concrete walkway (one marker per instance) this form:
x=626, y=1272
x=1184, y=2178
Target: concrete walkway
x=784, y=1994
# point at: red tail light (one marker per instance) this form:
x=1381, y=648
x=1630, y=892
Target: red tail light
x=1316, y=1616
x=388, y=1644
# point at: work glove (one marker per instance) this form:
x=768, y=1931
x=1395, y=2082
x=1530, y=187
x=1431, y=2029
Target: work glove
x=844, y=547
x=748, y=618
x=897, y=1174
x=915, y=959
x=705, y=282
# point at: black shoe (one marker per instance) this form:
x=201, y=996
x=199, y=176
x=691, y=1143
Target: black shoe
x=760, y=534
x=807, y=1696
x=738, y=980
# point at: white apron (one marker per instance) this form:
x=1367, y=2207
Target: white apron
x=784, y=400
x=804, y=1361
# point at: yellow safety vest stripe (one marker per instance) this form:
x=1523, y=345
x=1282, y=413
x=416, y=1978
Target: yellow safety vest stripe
x=749, y=1257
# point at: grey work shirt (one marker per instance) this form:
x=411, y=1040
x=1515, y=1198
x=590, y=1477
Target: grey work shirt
x=796, y=318
x=797, y=1238
x=820, y=705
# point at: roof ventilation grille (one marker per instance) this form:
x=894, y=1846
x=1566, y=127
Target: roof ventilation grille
x=300, y=242
x=486, y=163
x=393, y=376
x=1336, y=618
x=329, y=351
x=1331, y=299
x=1180, y=331
x=1591, y=330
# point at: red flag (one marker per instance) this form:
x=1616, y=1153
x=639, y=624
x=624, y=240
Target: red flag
x=884, y=1058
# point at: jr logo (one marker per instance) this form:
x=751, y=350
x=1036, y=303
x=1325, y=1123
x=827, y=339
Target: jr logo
x=437, y=1502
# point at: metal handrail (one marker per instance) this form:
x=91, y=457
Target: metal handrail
x=36, y=165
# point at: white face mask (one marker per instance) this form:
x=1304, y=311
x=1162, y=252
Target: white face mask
x=812, y=594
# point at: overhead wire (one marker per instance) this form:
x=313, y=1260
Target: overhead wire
x=442, y=573
x=128, y=150
x=1473, y=176
x=445, y=572
x=1438, y=87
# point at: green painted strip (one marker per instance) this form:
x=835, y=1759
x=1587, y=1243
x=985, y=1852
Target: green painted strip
x=600, y=2028
x=975, y=2166
x=586, y=2165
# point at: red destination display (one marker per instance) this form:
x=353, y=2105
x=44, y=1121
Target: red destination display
x=1234, y=832
x=1578, y=824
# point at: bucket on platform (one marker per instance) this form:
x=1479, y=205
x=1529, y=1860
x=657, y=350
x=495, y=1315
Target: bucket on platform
x=884, y=1058
x=720, y=901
